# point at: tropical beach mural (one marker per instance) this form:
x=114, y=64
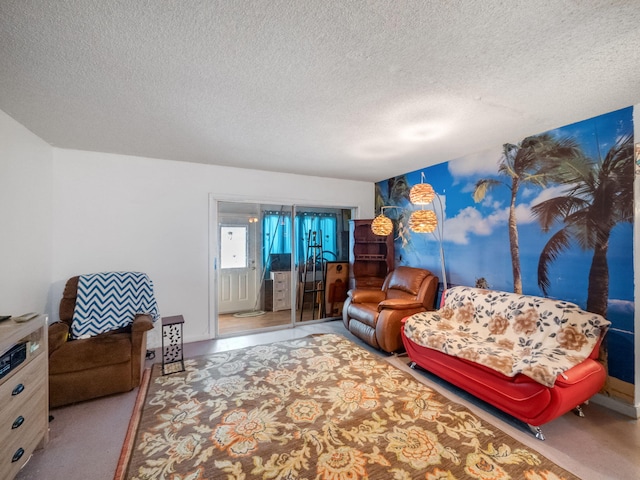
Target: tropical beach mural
x=548, y=215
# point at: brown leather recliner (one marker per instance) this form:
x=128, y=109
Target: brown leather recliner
x=375, y=315
x=88, y=368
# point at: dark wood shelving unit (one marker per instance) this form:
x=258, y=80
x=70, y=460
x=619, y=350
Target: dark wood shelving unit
x=371, y=256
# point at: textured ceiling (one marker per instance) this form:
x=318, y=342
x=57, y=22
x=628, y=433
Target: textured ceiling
x=359, y=90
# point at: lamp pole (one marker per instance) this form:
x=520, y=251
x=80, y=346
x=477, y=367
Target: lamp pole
x=439, y=238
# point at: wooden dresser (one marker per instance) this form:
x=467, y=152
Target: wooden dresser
x=278, y=292
x=24, y=394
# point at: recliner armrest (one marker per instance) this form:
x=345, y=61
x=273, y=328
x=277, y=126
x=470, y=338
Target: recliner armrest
x=141, y=323
x=399, y=304
x=365, y=295
x=58, y=333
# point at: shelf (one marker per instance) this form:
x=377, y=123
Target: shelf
x=377, y=258
x=371, y=240
x=370, y=256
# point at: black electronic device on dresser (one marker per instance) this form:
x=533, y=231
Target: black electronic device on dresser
x=12, y=358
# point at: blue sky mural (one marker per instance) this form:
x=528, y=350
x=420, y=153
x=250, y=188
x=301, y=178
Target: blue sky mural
x=476, y=237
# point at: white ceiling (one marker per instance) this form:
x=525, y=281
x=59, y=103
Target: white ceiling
x=360, y=90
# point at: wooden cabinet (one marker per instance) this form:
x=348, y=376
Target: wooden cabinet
x=278, y=292
x=371, y=256
x=24, y=394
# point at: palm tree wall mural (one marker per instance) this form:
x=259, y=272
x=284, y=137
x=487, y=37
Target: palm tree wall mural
x=525, y=163
x=548, y=215
x=598, y=197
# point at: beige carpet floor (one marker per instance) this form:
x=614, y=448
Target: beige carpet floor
x=86, y=439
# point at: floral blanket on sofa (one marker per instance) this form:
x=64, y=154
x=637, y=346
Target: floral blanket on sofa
x=510, y=333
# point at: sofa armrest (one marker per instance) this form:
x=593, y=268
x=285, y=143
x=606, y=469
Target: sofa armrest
x=578, y=373
x=365, y=295
x=399, y=304
x=595, y=353
x=141, y=323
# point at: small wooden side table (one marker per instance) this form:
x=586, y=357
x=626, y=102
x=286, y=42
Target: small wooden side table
x=172, y=348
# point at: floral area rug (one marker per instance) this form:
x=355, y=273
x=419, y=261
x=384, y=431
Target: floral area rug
x=319, y=408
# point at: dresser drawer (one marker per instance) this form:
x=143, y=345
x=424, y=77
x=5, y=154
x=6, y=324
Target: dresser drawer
x=23, y=383
x=18, y=443
x=280, y=276
x=280, y=287
x=29, y=410
x=280, y=295
x=281, y=305
x=281, y=280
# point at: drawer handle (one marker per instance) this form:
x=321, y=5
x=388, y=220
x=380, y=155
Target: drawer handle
x=18, y=455
x=17, y=423
x=18, y=390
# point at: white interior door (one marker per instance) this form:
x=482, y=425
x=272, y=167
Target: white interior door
x=238, y=272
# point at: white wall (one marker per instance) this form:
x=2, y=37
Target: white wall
x=115, y=212
x=25, y=219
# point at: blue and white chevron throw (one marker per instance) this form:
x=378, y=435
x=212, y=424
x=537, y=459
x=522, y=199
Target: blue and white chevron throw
x=109, y=300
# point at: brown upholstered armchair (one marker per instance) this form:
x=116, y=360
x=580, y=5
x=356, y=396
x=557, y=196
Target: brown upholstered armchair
x=88, y=368
x=375, y=315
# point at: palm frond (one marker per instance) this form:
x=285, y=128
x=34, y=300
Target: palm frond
x=616, y=177
x=582, y=228
x=526, y=159
x=506, y=164
x=482, y=187
x=619, y=154
x=569, y=169
x=542, y=159
x=556, y=245
x=587, y=187
x=557, y=209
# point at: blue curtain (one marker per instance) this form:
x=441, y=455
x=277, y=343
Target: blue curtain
x=276, y=231
x=324, y=225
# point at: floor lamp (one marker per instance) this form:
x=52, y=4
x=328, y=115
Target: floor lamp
x=426, y=221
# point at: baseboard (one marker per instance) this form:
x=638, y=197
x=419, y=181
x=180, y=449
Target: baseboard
x=627, y=409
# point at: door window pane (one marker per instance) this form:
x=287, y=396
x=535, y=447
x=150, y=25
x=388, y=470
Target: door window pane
x=233, y=247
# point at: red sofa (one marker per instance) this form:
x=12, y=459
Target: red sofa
x=493, y=345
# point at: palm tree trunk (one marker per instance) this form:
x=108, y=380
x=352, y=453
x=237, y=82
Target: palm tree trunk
x=598, y=294
x=598, y=290
x=513, y=239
